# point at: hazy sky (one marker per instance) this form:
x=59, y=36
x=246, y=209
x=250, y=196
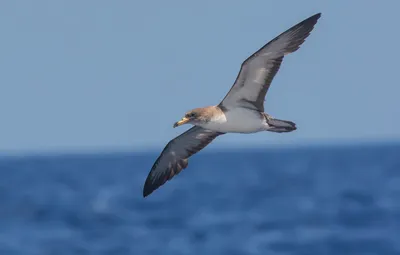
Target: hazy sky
x=103, y=75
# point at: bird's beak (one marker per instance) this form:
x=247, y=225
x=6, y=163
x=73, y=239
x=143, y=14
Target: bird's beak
x=184, y=120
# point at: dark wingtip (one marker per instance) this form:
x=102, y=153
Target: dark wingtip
x=148, y=187
x=313, y=19
x=315, y=16
x=146, y=192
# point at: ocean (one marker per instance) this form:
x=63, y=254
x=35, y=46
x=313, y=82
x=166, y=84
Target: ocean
x=319, y=200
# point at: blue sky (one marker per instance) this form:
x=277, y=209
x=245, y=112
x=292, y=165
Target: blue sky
x=104, y=75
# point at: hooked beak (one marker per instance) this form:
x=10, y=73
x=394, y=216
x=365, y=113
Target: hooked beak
x=184, y=120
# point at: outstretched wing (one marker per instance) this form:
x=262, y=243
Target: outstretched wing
x=174, y=158
x=257, y=71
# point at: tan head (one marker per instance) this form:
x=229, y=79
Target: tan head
x=196, y=116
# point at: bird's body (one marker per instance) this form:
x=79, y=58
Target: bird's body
x=241, y=111
x=238, y=120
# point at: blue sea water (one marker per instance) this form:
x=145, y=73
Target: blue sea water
x=320, y=200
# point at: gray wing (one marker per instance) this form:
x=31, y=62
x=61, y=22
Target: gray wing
x=258, y=70
x=174, y=158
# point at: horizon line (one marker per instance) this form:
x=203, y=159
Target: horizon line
x=272, y=145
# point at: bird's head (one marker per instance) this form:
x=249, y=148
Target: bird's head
x=195, y=117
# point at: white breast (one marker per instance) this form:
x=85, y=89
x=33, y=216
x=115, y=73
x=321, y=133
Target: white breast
x=238, y=120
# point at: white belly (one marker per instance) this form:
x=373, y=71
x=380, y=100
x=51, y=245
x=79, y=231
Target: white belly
x=238, y=120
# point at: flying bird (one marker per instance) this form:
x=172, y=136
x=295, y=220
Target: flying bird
x=241, y=110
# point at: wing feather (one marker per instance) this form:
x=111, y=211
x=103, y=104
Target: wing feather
x=174, y=158
x=258, y=70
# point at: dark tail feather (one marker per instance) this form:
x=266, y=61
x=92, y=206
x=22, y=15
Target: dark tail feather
x=279, y=126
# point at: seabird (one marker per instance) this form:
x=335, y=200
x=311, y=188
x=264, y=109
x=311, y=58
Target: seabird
x=241, y=111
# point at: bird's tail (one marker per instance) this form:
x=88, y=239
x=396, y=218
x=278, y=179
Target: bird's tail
x=280, y=126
